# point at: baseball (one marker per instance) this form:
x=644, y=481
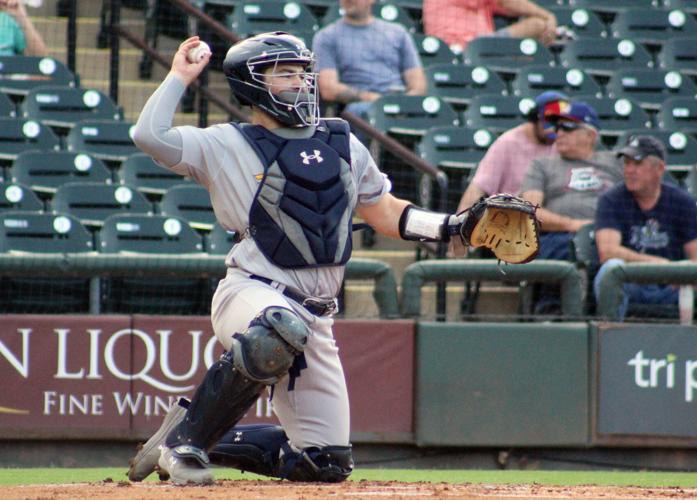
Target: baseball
x=197, y=54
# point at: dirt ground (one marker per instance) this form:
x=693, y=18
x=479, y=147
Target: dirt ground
x=245, y=490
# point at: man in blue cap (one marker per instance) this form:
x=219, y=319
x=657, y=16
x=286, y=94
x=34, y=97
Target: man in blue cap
x=645, y=220
x=503, y=167
x=567, y=185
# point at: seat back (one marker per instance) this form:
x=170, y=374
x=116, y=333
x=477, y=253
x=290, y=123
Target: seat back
x=497, y=112
x=7, y=107
x=161, y=234
x=64, y=106
x=507, y=55
x=16, y=196
x=255, y=17
x=652, y=26
x=650, y=88
x=458, y=84
x=583, y=249
x=612, y=7
x=455, y=147
x=94, y=202
x=19, y=134
x=678, y=113
x=190, y=202
x=43, y=233
x=105, y=139
x=386, y=10
x=685, y=5
x=433, y=50
x=46, y=171
x=679, y=54
x=582, y=22
x=20, y=74
x=681, y=147
x=604, y=56
x=219, y=241
x=571, y=81
x=410, y=115
x=618, y=114
x=142, y=172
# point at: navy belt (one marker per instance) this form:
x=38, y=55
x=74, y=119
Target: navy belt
x=318, y=307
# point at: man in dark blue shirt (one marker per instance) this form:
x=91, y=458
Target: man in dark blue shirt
x=645, y=220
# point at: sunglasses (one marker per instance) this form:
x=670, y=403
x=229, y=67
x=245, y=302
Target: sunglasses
x=567, y=126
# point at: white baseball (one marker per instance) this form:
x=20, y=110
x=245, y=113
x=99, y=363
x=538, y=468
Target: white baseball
x=197, y=54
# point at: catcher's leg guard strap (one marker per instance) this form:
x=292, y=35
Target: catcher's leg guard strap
x=260, y=356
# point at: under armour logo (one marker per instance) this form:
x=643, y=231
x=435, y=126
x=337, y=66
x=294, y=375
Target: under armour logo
x=306, y=157
x=238, y=437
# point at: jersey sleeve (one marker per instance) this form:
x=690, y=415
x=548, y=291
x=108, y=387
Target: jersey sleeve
x=371, y=184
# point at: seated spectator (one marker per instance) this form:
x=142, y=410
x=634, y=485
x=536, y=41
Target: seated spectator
x=18, y=36
x=457, y=22
x=567, y=185
x=503, y=167
x=644, y=220
x=360, y=58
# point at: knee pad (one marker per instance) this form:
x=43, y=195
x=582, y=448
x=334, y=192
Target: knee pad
x=330, y=464
x=266, y=350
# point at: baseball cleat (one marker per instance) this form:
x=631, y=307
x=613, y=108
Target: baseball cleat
x=185, y=465
x=145, y=461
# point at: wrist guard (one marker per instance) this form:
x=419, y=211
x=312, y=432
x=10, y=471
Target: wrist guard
x=417, y=224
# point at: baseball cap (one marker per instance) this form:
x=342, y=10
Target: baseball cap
x=639, y=147
x=577, y=111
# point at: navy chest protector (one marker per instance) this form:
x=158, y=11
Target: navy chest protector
x=301, y=213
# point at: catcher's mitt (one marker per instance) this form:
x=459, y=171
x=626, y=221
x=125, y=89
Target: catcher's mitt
x=505, y=224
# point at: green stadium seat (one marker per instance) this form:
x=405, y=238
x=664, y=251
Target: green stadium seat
x=407, y=115
x=433, y=50
x=19, y=134
x=455, y=147
x=496, y=112
x=686, y=5
x=679, y=54
x=219, y=241
x=108, y=140
x=93, y=202
x=458, y=84
x=604, y=56
x=192, y=203
x=15, y=196
x=582, y=22
x=387, y=11
x=507, y=55
x=34, y=232
x=20, y=74
x=650, y=87
x=254, y=17
x=651, y=26
x=152, y=235
x=678, y=113
x=618, y=114
x=7, y=107
x=143, y=173
x=46, y=171
x=534, y=80
x=612, y=7
x=64, y=106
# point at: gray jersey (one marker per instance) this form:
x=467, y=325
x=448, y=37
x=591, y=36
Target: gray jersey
x=220, y=159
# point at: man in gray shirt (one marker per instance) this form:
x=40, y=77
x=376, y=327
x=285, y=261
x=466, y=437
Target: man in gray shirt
x=360, y=58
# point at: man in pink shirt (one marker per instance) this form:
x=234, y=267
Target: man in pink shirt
x=456, y=22
x=503, y=167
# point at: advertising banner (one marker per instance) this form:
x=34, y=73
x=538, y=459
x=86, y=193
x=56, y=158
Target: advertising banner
x=647, y=380
x=116, y=376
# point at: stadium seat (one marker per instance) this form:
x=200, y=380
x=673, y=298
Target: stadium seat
x=686, y=5
x=64, y=106
x=585, y=254
x=651, y=26
x=650, y=87
x=105, y=139
x=254, y=17
x=387, y=11
x=7, y=107
x=507, y=55
x=678, y=113
x=496, y=112
x=152, y=234
x=455, y=147
x=140, y=171
x=20, y=74
x=46, y=171
x=33, y=232
x=410, y=115
x=219, y=241
x=19, y=134
x=618, y=114
x=573, y=82
x=679, y=54
x=604, y=56
x=681, y=148
x=433, y=50
x=190, y=202
x=458, y=84
x=93, y=202
x=581, y=22
x=17, y=196
x=612, y=7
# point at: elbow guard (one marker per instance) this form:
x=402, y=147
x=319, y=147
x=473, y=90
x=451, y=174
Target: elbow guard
x=417, y=224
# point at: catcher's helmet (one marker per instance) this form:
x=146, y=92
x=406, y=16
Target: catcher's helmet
x=244, y=65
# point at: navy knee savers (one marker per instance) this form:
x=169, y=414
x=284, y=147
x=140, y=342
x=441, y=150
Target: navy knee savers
x=301, y=213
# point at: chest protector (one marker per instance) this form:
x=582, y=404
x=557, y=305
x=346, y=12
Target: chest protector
x=301, y=213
